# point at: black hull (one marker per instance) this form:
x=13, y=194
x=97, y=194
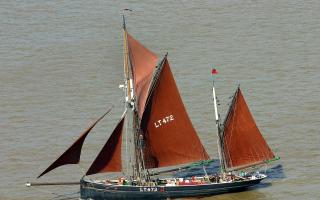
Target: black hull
x=97, y=191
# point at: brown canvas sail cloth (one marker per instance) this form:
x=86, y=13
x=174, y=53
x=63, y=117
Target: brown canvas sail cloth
x=72, y=154
x=170, y=138
x=109, y=158
x=243, y=144
x=143, y=62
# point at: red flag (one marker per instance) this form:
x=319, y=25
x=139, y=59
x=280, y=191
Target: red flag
x=214, y=71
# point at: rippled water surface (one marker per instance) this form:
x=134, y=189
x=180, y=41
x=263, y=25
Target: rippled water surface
x=61, y=63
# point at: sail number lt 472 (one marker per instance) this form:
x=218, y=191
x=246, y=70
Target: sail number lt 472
x=163, y=121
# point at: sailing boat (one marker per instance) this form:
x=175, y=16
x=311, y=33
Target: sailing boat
x=163, y=136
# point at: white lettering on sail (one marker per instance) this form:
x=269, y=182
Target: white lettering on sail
x=163, y=121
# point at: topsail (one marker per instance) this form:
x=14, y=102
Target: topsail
x=143, y=63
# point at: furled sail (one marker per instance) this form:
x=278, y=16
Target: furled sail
x=72, y=154
x=243, y=144
x=169, y=136
x=109, y=158
x=143, y=62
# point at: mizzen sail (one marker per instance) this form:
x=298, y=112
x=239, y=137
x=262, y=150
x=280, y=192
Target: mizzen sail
x=170, y=138
x=243, y=144
x=109, y=158
x=72, y=154
x=143, y=62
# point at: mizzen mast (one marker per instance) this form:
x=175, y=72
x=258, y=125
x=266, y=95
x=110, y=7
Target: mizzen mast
x=218, y=123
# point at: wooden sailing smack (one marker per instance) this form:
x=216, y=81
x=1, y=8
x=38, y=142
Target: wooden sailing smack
x=163, y=136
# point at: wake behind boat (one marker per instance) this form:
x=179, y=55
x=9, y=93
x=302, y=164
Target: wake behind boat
x=161, y=135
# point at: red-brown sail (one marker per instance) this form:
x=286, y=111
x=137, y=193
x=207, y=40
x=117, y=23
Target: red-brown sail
x=72, y=154
x=243, y=144
x=109, y=158
x=170, y=138
x=143, y=62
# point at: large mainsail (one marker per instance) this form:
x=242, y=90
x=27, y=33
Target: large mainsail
x=243, y=144
x=109, y=158
x=143, y=62
x=170, y=138
x=72, y=154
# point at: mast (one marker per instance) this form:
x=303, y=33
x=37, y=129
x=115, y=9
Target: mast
x=218, y=123
x=127, y=93
x=128, y=80
x=136, y=152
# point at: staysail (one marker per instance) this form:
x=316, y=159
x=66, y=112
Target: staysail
x=109, y=158
x=72, y=154
x=170, y=138
x=243, y=144
x=143, y=62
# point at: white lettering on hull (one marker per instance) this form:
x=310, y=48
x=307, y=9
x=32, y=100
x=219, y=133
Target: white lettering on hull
x=148, y=189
